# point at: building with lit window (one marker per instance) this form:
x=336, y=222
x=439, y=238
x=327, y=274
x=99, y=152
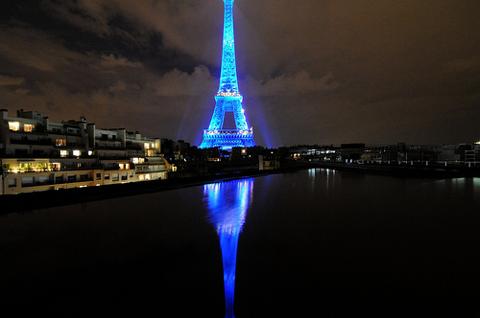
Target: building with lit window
x=38, y=155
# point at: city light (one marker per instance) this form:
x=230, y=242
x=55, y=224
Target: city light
x=14, y=125
x=60, y=142
x=16, y=166
x=28, y=128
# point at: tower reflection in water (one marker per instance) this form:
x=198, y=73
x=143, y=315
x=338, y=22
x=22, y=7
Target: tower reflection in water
x=227, y=204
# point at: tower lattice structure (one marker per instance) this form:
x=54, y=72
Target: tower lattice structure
x=228, y=98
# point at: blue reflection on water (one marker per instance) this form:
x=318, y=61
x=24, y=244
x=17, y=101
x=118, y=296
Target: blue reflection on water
x=227, y=204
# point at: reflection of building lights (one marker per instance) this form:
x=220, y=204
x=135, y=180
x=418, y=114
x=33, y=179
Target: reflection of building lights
x=77, y=153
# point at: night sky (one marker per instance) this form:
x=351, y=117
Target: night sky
x=311, y=71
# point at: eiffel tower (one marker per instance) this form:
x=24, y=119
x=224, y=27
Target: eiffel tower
x=228, y=98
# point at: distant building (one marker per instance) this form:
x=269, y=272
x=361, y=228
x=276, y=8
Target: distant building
x=400, y=153
x=37, y=154
x=268, y=163
x=472, y=154
x=351, y=152
x=314, y=153
x=448, y=153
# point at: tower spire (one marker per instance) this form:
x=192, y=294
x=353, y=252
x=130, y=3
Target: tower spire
x=228, y=78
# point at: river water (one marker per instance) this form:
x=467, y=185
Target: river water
x=315, y=243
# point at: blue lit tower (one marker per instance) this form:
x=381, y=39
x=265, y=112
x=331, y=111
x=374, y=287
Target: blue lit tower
x=228, y=98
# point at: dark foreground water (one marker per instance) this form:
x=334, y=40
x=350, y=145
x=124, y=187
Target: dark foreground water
x=316, y=243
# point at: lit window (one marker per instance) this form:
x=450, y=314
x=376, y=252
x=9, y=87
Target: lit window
x=138, y=160
x=147, y=145
x=127, y=166
x=77, y=153
x=60, y=142
x=28, y=128
x=90, y=152
x=122, y=166
x=14, y=125
x=477, y=143
x=63, y=153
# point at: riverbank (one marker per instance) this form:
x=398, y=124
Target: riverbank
x=39, y=200
x=405, y=169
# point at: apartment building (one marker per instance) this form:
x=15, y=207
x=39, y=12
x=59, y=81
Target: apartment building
x=39, y=155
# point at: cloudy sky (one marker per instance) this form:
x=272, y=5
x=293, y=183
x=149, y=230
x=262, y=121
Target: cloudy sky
x=311, y=71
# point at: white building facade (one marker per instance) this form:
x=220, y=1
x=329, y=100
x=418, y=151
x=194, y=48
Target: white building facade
x=39, y=155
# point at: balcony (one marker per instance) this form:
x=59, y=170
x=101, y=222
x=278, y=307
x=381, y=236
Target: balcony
x=27, y=141
x=54, y=182
x=109, y=145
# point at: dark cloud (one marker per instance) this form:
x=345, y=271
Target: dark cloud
x=312, y=71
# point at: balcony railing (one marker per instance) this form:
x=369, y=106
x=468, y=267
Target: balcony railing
x=54, y=182
x=25, y=141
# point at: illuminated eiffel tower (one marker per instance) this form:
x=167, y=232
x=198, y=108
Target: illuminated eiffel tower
x=228, y=98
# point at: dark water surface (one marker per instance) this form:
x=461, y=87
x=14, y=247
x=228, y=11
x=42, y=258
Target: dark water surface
x=316, y=243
